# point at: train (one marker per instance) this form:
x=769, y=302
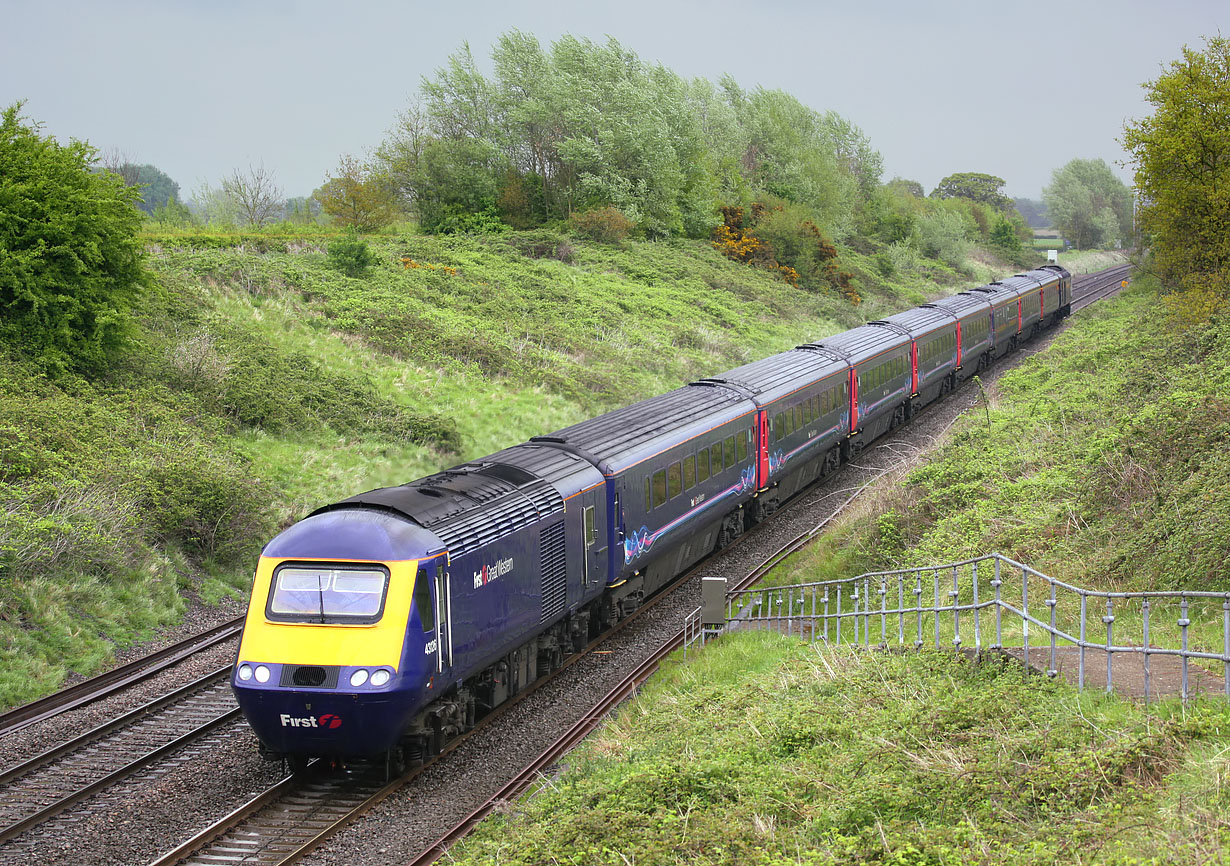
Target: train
x=383, y=625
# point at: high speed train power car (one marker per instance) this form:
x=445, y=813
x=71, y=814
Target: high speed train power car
x=382, y=625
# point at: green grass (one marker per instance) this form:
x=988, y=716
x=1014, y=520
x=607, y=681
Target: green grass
x=263, y=383
x=763, y=750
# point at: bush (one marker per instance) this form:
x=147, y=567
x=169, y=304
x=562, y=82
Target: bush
x=351, y=255
x=543, y=245
x=453, y=220
x=206, y=502
x=943, y=235
x=606, y=225
x=70, y=261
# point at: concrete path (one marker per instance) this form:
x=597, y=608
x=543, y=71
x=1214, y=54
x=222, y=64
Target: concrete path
x=1128, y=671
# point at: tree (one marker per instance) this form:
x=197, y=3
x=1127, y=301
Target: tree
x=172, y=213
x=1091, y=206
x=905, y=187
x=1033, y=212
x=357, y=196
x=302, y=210
x=983, y=188
x=1182, y=159
x=255, y=195
x=70, y=261
x=398, y=155
x=157, y=187
x=456, y=179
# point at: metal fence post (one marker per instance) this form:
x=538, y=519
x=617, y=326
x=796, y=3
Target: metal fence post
x=814, y=630
x=956, y=610
x=1184, y=622
x=883, y=613
x=825, y=602
x=977, y=627
x=1080, y=676
x=1109, y=619
x=918, y=641
x=996, y=583
x=1025, y=616
x=1225, y=641
x=1051, y=602
x=1144, y=611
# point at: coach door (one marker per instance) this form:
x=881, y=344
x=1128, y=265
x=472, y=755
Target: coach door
x=444, y=620
x=594, y=525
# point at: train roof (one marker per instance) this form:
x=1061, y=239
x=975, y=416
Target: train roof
x=773, y=378
x=919, y=320
x=860, y=344
x=618, y=440
x=963, y=305
x=998, y=293
x=466, y=506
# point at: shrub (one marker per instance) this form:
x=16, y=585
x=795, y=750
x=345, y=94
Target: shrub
x=543, y=245
x=351, y=255
x=456, y=221
x=606, y=225
x=70, y=261
x=942, y=235
x=206, y=501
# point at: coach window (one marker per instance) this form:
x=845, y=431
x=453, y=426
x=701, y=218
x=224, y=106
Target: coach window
x=729, y=448
x=779, y=430
x=674, y=480
x=689, y=472
x=422, y=600
x=702, y=465
x=659, y=488
x=743, y=439
x=715, y=453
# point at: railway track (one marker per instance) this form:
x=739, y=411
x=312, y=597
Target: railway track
x=37, y=790
x=289, y=820
x=117, y=679
x=293, y=817
x=1090, y=288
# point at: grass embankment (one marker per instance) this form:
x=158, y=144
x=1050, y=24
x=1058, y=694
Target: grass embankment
x=764, y=750
x=262, y=383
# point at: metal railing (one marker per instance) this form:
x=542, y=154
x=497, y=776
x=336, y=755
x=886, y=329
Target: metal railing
x=1178, y=637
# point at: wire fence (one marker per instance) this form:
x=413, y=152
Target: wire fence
x=1146, y=643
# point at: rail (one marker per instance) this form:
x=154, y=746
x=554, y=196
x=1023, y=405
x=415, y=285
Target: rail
x=1184, y=635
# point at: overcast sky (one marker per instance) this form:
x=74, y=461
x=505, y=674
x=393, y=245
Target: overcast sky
x=199, y=88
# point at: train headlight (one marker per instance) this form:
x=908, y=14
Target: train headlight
x=380, y=678
x=245, y=672
x=262, y=674
x=358, y=678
